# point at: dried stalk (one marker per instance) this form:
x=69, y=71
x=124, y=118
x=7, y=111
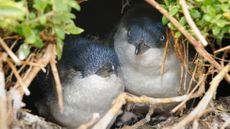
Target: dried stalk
x=19, y=79
x=123, y=98
x=222, y=49
x=8, y=50
x=198, y=93
x=32, y=64
x=57, y=79
x=94, y=119
x=110, y=116
x=200, y=108
x=192, y=24
x=151, y=101
x=164, y=54
x=44, y=60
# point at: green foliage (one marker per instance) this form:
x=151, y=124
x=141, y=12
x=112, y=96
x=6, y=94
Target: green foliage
x=31, y=18
x=212, y=17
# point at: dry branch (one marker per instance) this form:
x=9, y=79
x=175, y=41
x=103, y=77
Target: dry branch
x=112, y=113
x=57, y=79
x=199, y=48
x=44, y=60
x=222, y=49
x=200, y=108
x=200, y=85
x=192, y=24
x=93, y=120
x=164, y=54
x=123, y=98
x=8, y=50
x=22, y=84
x=152, y=101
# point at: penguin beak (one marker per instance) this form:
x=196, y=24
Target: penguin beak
x=141, y=48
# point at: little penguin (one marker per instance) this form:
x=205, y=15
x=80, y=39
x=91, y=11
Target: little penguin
x=139, y=42
x=88, y=73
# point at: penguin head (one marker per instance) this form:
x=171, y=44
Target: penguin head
x=144, y=28
x=87, y=57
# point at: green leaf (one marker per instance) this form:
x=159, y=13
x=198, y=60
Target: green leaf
x=221, y=23
x=71, y=28
x=42, y=19
x=225, y=7
x=25, y=30
x=164, y=20
x=215, y=30
x=195, y=13
x=32, y=15
x=174, y=10
x=24, y=51
x=38, y=42
x=211, y=10
x=177, y=34
x=171, y=26
x=8, y=24
x=207, y=2
x=222, y=1
x=200, y=22
x=216, y=18
x=182, y=21
x=59, y=32
x=59, y=48
x=40, y=5
x=32, y=37
x=207, y=18
x=60, y=6
x=12, y=9
x=199, y=0
x=74, y=4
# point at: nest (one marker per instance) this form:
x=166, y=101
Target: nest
x=16, y=76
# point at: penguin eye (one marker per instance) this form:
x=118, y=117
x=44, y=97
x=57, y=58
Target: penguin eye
x=106, y=70
x=162, y=38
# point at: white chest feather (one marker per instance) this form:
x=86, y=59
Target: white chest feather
x=85, y=96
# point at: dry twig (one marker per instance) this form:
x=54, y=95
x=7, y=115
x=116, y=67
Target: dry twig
x=22, y=84
x=57, y=79
x=192, y=24
x=148, y=100
x=198, y=93
x=110, y=116
x=200, y=108
x=123, y=98
x=44, y=60
x=95, y=117
x=8, y=50
x=222, y=49
x=164, y=54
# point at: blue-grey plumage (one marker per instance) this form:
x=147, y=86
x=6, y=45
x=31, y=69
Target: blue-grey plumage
x=139, y=43
x=89, y=83
x=87, y=56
